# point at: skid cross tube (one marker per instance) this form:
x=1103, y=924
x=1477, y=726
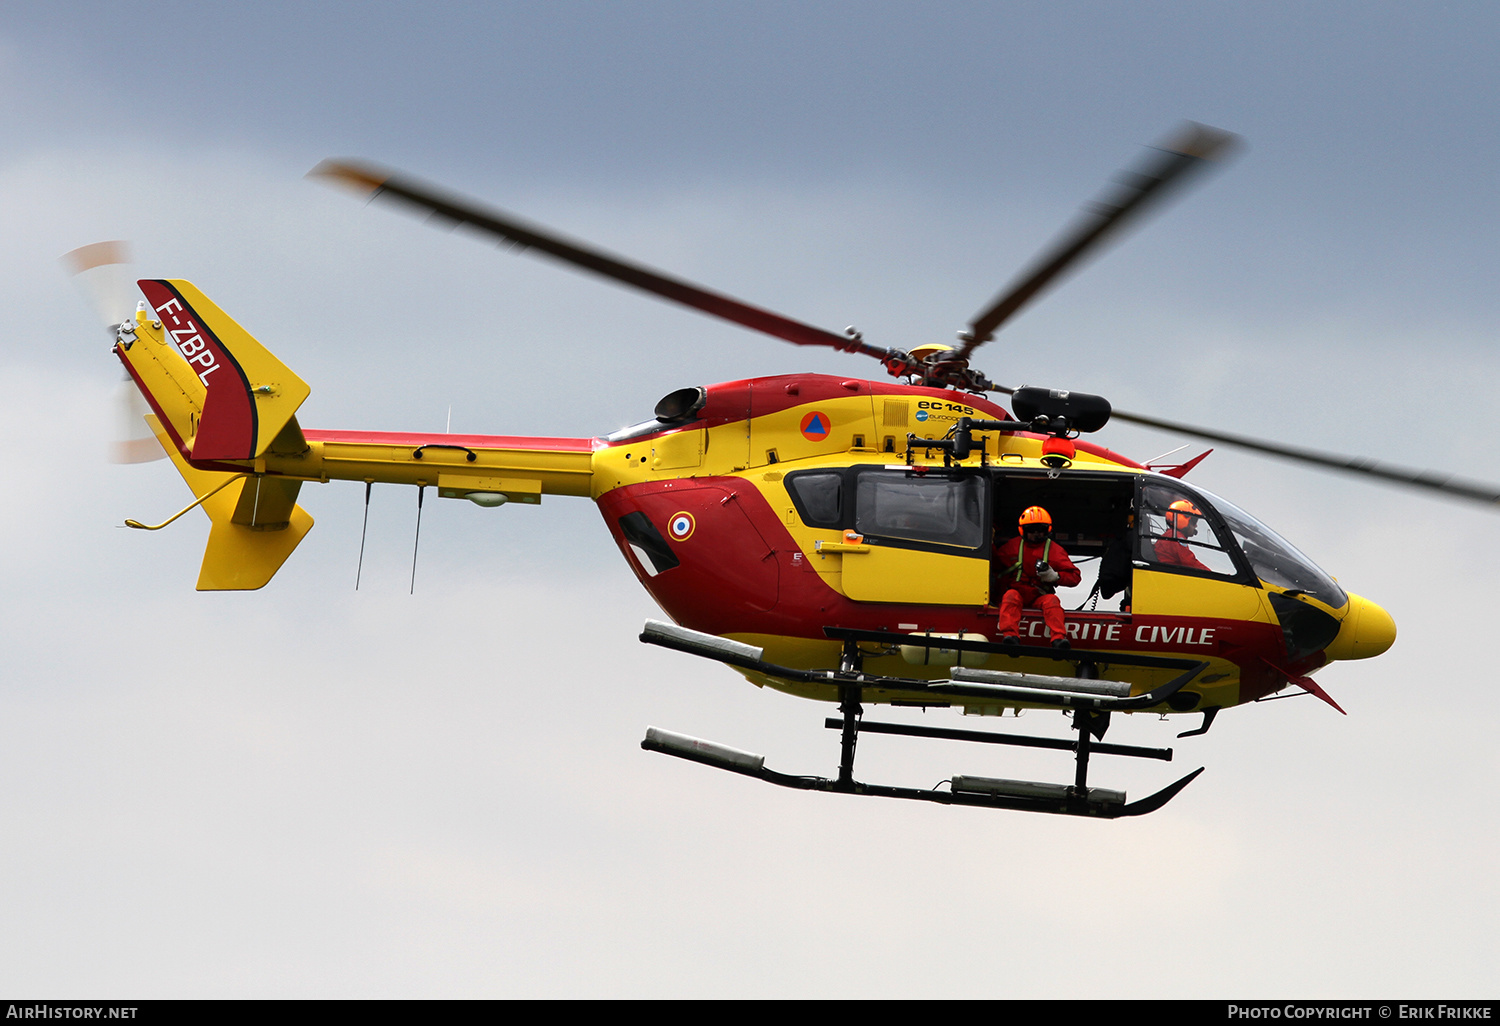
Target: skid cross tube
x=1055, y=744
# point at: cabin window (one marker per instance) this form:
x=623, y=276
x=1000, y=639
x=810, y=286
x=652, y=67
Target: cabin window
x=1176, y=534
x=930, y=508
x=819, y=497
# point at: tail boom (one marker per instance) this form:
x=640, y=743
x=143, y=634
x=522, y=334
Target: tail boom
x=521, y=468
x=224, y=408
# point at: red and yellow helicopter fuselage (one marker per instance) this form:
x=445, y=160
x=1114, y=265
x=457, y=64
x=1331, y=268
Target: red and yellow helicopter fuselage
x=770, y=510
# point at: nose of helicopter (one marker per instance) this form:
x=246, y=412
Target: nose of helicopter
x=1367, y=630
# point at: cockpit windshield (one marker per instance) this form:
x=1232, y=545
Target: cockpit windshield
x=1276, y=560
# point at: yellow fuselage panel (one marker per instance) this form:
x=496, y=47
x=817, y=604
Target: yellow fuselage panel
x=1164, y=593
x=883, y=573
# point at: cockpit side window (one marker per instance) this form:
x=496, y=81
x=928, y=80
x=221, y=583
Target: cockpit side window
x=1175, y=534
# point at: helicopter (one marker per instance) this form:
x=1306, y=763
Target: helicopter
x=832, y=538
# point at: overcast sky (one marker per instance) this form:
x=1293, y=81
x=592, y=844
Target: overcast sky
x=308, y=791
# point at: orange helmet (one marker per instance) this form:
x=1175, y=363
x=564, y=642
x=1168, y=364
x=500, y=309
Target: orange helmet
x=1180, y=514
x=1034, y=515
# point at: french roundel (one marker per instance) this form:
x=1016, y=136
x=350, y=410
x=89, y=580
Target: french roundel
x=680, y=527
x=815, y=426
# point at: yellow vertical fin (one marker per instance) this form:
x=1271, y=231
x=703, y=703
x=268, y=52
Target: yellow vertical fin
x=251, y=396
x=256, y=523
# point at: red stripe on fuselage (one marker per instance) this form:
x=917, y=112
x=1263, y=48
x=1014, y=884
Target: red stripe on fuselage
x=774, y=394
x=731, y=401
x=414, y=439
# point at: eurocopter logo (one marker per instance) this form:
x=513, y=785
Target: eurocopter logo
x=815, y=426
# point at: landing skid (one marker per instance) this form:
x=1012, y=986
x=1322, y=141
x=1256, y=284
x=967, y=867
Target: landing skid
x=1091, y=701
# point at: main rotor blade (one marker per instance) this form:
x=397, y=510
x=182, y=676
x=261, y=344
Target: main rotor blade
x=1192, y=147
x=1424, y=479
x=376, y=181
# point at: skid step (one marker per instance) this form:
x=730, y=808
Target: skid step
x=990, y=737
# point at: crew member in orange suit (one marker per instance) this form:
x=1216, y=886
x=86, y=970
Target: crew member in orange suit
x=1030, y=568
x=1182, y=523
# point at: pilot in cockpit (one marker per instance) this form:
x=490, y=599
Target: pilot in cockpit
x=1182, y=525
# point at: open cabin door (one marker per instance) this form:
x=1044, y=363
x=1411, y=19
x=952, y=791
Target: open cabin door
x=1093, y=519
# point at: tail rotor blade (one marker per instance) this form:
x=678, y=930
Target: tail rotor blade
x=133, y=441
x=102, y=273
